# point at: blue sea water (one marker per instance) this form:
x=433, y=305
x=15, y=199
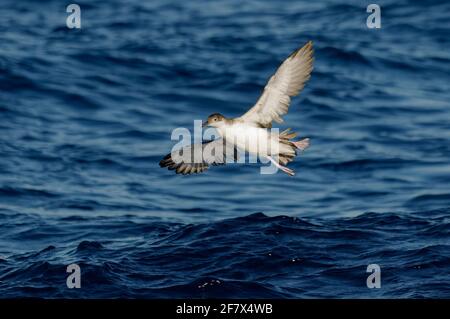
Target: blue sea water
x=86, y=115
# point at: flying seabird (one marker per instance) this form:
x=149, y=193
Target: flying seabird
x=252, y=132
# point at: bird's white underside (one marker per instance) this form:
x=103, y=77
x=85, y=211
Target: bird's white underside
x=254, y=140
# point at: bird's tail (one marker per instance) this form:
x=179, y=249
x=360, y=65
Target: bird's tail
x=288, y=152
x=302, y=144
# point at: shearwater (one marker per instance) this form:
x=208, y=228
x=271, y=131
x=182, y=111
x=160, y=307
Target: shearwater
x=252, y=132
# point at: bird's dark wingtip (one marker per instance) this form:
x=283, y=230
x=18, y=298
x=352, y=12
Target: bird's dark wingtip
x=166, y=161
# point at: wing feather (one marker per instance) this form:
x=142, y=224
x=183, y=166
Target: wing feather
x=197, y=158
x=288, y=81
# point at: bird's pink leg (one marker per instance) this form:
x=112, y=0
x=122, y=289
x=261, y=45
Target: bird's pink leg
x=283, y=168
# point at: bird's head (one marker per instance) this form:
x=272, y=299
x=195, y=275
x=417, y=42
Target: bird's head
x=215, y=120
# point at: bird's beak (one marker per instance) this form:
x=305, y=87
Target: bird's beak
x=205, y=123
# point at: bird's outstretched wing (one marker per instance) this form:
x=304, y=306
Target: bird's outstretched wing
x=289, y=79
x=197, y=158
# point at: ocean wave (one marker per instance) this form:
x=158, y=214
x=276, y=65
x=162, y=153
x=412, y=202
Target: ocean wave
x=250, y=256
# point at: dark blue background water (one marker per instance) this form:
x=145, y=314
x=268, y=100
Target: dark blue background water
x=85, y=116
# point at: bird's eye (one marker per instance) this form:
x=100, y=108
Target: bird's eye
x=215, y=119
